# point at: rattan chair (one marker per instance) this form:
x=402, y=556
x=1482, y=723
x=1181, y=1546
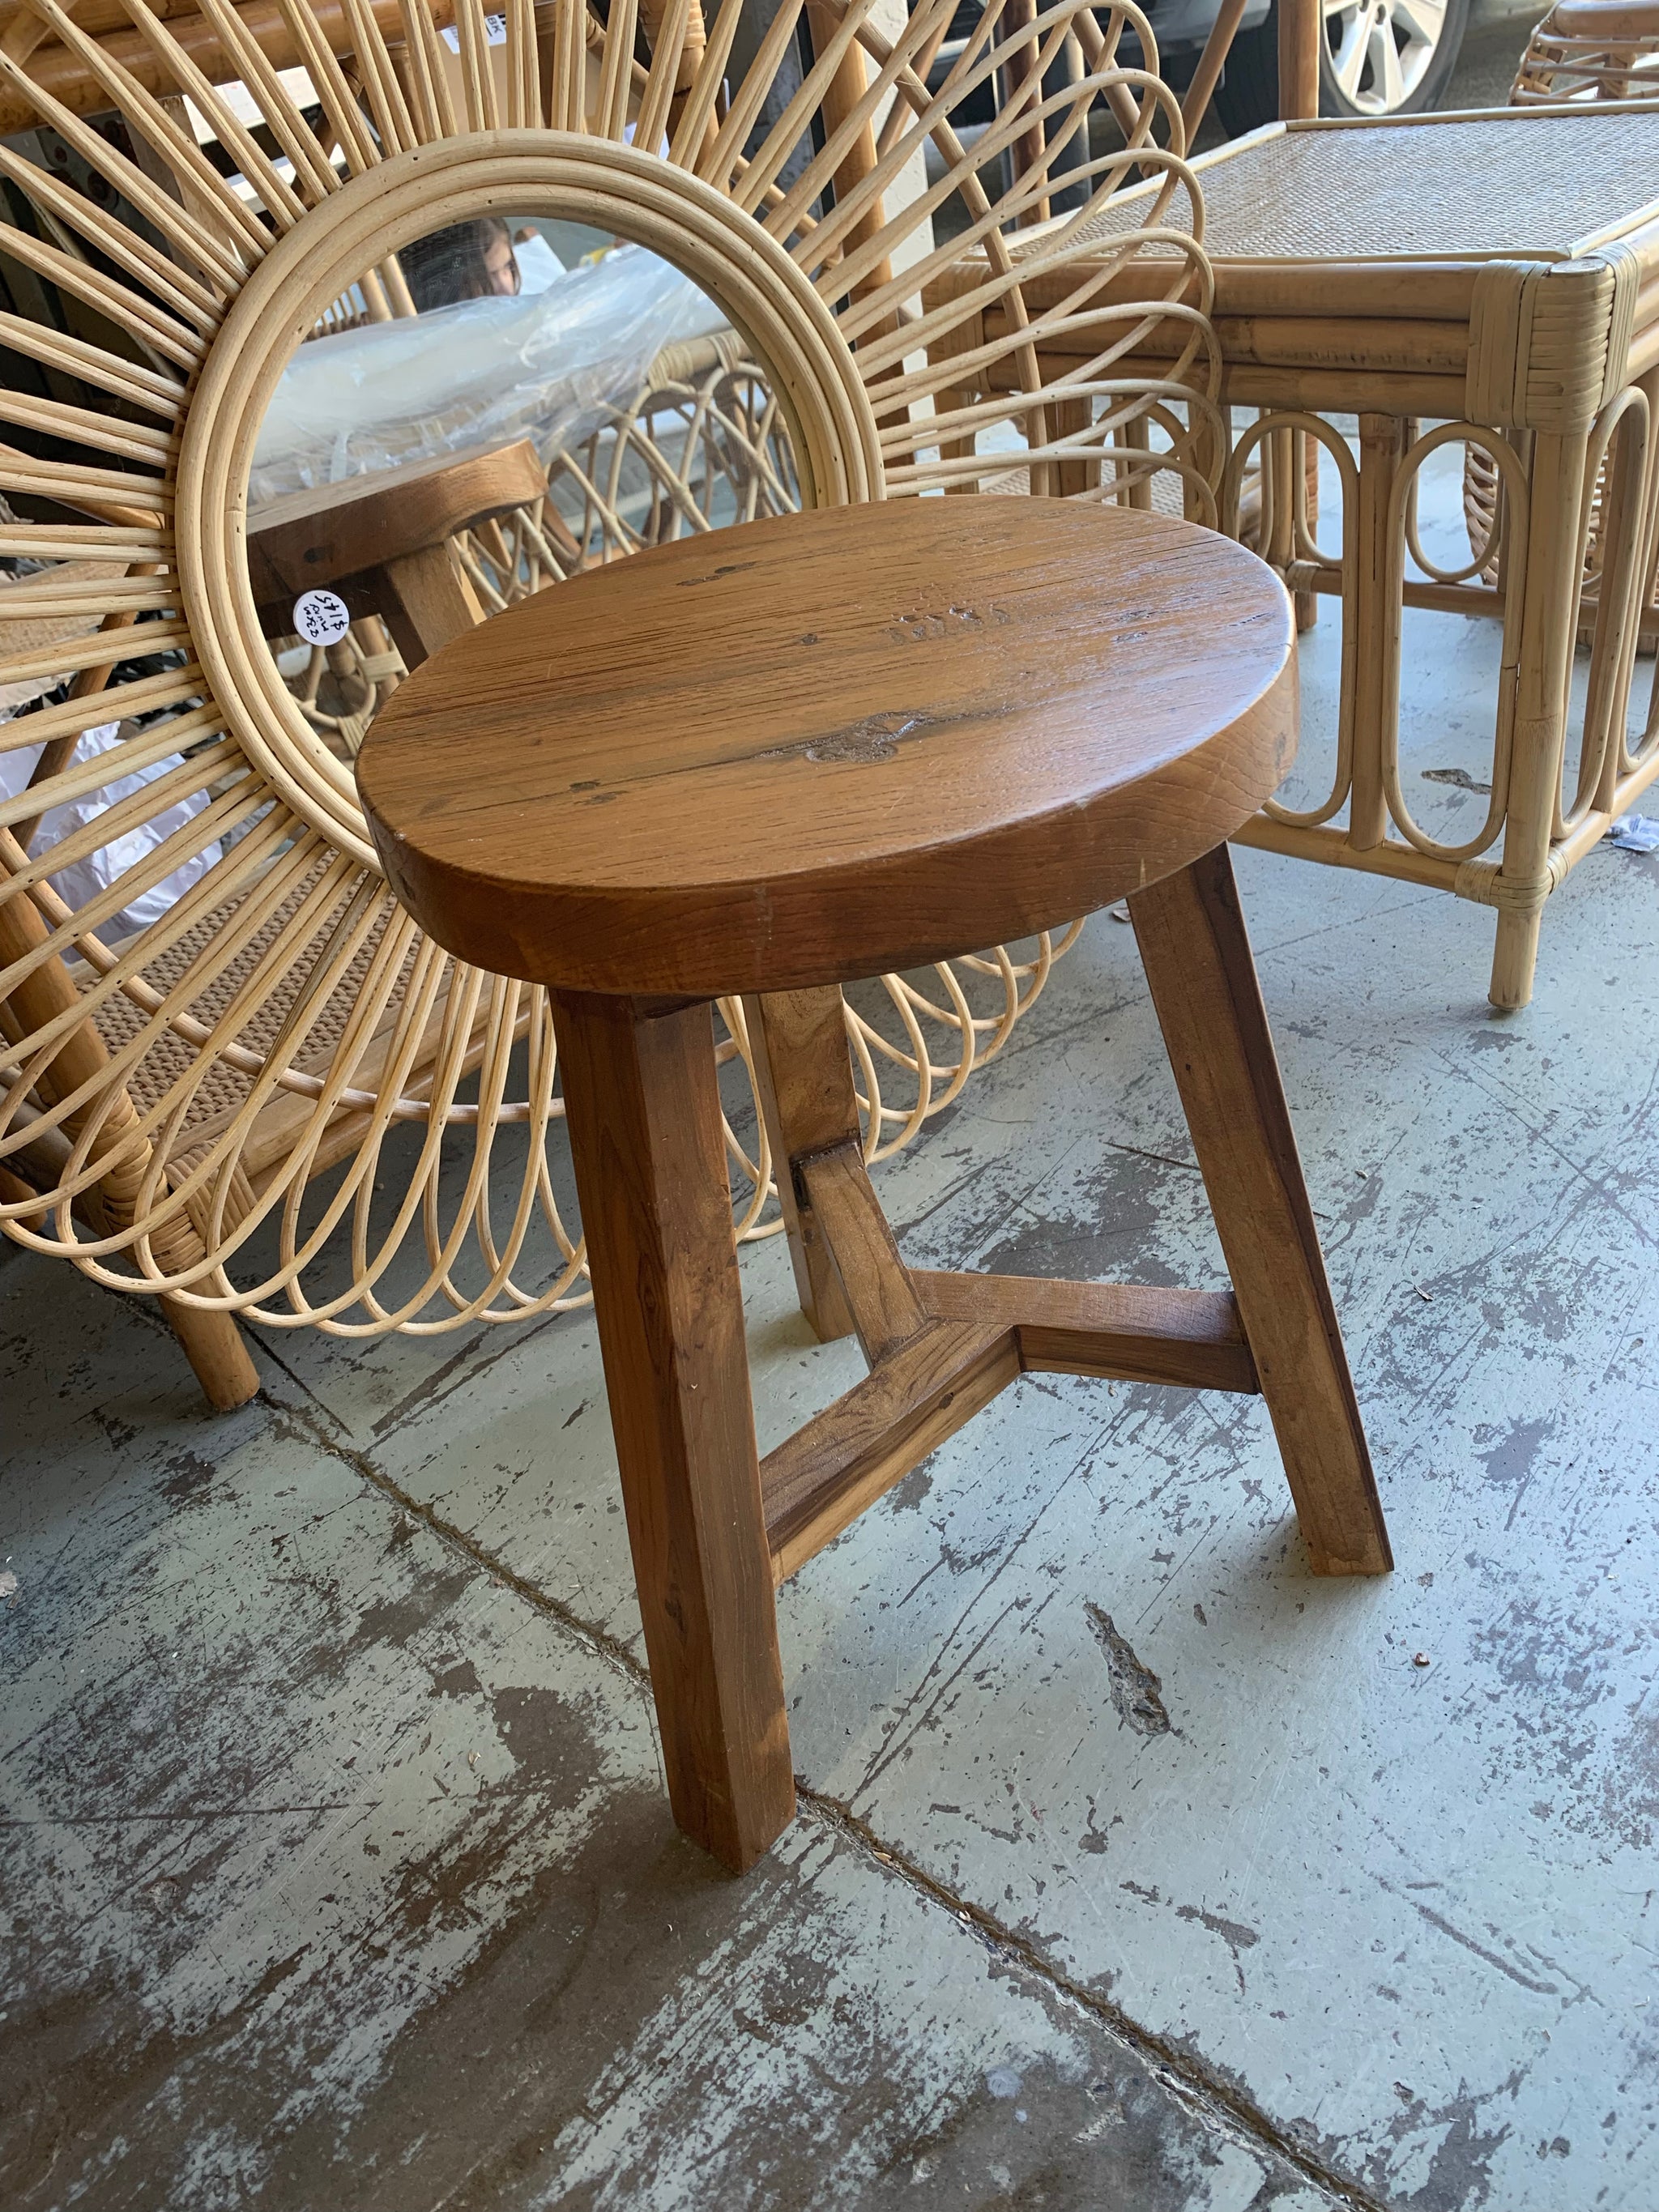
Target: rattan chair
x=274, y=1096
x=1590, y=50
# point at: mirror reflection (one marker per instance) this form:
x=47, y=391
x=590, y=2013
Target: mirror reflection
x=503, y=402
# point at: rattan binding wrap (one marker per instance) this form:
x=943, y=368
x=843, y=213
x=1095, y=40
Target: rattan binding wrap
x=1572, y=55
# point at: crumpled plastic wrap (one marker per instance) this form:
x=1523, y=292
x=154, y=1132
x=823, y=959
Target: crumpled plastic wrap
x=477, y=374
x=94, y=871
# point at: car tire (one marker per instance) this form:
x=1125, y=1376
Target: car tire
x=1247, y=94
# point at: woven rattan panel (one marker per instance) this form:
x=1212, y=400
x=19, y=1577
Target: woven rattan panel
x=25, y=636
x=224, y=1087
x=1508, y=183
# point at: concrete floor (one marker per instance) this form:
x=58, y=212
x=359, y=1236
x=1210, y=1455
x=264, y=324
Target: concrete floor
x=1498, y=32
x=335, y=1869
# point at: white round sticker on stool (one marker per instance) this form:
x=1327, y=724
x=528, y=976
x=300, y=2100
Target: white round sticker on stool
x=321, y=617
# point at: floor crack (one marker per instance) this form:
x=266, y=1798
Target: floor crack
x=1216, y=2102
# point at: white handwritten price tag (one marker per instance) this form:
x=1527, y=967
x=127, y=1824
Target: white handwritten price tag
x=321, y=617
x=495, y=33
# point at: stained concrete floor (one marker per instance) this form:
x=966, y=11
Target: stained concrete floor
x=335, y=1869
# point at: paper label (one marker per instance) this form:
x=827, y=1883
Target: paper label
x=495, y=33
x=321, y=617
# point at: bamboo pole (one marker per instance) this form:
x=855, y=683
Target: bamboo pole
x=1211, y=63
x=1299, y=33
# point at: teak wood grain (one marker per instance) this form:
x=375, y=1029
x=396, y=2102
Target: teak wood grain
x=825, y=745
x=730, y=842
x=803, y=1084
x=427, y=598
x=1123, y=1332
x=646, y=1141
x=1197, y=958
x=819, y=1480
x=384, y=543
x=317, y=538
x=875, y=1282
x=981, y=1332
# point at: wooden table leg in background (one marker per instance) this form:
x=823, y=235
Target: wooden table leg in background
x=428, y=599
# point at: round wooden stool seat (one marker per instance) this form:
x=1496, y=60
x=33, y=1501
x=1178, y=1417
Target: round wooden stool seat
x=821, y=747
x=833, y=744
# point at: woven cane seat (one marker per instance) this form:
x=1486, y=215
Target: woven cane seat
x=225, y=1079
x=1428, y=188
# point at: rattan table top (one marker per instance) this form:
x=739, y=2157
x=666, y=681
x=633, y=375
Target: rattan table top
x=1504, y=182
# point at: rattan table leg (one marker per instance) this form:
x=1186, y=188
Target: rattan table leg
x=218, y=1358
x=1548, y=633
x=1070, y=418
x=1383, y=441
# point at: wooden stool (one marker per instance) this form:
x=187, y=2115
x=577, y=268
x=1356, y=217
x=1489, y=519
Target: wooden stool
x=382, y=543
x=822, y=747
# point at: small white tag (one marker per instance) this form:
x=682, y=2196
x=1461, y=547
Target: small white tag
x=494, y=33
x=321, y=617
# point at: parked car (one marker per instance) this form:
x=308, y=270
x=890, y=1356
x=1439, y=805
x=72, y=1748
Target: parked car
x=1379, y=57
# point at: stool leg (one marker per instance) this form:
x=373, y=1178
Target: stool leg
x=427, y=601
x=644, y=1119
x=1197, y=958
x=804, y=1083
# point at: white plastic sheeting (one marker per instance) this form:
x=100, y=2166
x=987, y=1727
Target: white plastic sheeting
x=97, y=870
x=549, y=364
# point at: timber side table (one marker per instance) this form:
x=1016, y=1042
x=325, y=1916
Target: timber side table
x=1489, y=278
x=817, y=748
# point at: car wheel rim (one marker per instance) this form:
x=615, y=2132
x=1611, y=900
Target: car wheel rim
x=1380, y=50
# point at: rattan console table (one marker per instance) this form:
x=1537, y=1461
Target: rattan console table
x=1488, y=278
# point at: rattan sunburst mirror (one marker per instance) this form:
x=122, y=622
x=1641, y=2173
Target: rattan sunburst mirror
x=231, y=1070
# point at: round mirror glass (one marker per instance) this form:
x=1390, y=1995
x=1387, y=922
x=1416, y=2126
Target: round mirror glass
x=500, y=405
